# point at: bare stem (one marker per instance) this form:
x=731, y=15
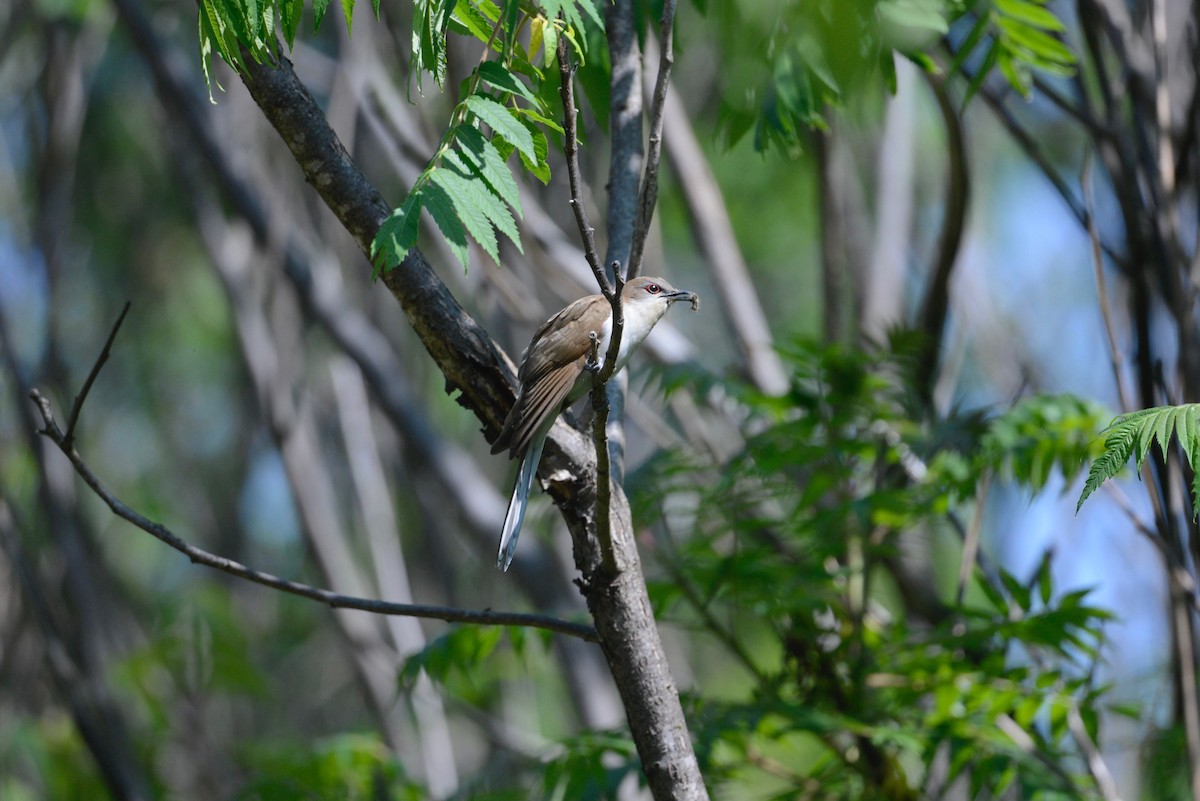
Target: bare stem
x=648, y=194
x=571, y=151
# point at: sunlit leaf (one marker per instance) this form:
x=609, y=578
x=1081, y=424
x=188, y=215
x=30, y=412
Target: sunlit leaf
x=503, y=123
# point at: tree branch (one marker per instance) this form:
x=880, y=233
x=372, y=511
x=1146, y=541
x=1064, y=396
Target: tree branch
x=566, y=90
x=648, y=194
x=202, y=557
x=473, y=364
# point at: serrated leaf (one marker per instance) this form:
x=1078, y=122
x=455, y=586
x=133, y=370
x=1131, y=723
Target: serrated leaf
x=1164, y=427
x=441, y=207
x=1188, y=431
x=220, y=23
x=291, y=12
x=397, y=235
x=320, y=7
x=593, y=13
x=348, y=13
x=1145, y=438
x=1195, y=494
x=502, y=122
x=430, y=21
x=492, y=206
x=485, y=160
x=538, y=166
x=268, y=24
x=528, y=114
x=207, y=38
x=494, y=74
x=472, y=20
x=248, y=11
x=467, y=198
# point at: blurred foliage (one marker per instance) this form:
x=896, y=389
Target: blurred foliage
x=348, y=767
x=782, y=561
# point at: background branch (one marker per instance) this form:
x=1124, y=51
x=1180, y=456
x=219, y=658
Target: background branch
x=332, y=599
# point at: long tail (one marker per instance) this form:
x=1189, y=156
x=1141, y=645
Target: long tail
x=516, y=506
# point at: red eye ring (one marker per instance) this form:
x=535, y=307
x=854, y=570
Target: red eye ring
x=653, y=289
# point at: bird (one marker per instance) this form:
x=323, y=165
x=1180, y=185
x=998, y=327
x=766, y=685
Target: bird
x=555, y=372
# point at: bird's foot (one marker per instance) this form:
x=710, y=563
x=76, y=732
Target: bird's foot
x=592, y=365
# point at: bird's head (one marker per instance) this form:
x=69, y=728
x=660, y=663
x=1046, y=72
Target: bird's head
x=645, y=289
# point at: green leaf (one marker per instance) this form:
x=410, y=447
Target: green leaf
x=528, y=114
x=440, y=206
x=1030, y=13
x=511, y=21
x=549, y=44
x=397, y=235
x=430, y=22
x=481, y=194
x=538, y=165
x=592, y=11
x=467, y=198
x=291, y=11
x=972, y=40
x=1041, y=44
x=1015, y=72
x=484, y=160
x=457, y=652
x=494, y=74
x=914, y=14
x=503, y=123
x=319, y=9
x=348, y=13
x=472, y=20
x=989, y=62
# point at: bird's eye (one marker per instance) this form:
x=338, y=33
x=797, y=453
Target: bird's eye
x=653, y=289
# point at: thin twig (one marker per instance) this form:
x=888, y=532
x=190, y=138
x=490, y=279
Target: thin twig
x=571, y=150
x=77, y=406
x=648, y=194
x=200, y=556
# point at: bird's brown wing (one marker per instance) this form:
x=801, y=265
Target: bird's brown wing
x=549, y=368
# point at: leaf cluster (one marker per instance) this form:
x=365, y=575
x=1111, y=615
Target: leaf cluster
x=789, y=67
x=467, y=187
x=787, y=560
x=1132, y=436
x=1017, y=37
